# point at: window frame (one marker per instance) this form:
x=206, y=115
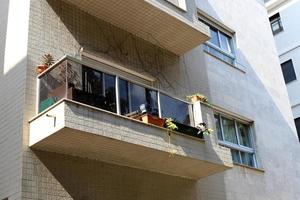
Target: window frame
x=220, y=30
x=293, y=68
x=240, y=148
x=297, y=127
x=276, y=18
x=181, y=4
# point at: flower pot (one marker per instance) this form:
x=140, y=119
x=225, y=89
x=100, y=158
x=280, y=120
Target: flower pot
x=196, y=98
x=188, y=130
x=41, y=68
x=147, y=118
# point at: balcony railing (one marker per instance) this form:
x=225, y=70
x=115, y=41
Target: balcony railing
x=75, y=80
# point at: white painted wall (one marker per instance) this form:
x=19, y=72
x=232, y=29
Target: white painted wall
x=14, y=17
x=288, y=47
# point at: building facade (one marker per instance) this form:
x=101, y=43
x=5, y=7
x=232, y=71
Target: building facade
x=81, y=129
x=287, y=42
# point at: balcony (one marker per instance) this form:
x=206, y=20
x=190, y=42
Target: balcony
x=151, y=20
x=92, y=114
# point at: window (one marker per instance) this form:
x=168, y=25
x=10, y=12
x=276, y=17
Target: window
x=220, y=44
x=297, y=123
x=132, y=96
x=98, y=89
x=288, y=71
x=179, y=3
x=175, y=109
x=276, y=24
x=237, y=136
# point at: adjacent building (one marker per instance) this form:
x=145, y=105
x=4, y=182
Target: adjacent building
x=91, y=123
x=285, y=27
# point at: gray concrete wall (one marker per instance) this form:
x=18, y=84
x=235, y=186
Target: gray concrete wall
x=258, y=94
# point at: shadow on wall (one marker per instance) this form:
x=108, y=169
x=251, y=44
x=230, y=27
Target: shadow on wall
x=87, y=179
x=3, y=21
x=114, y=44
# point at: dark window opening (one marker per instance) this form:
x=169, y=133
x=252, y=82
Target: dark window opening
x=98, y=89
x=297, y=123
x=288, y=71
x=276, y=24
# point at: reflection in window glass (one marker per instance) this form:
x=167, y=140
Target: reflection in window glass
x=219, y=131
x=137, y=97
x=237, y=137
x=124, y=97
x=225, y=42
x=244, y=135
x=175, y=109
x=235, y=156
x=110, y=92
x=52, y=87
x=98, y=89
x=214, y=36
x=132, y=96
x=229, y=130
x=92, y=81
x=247, y=159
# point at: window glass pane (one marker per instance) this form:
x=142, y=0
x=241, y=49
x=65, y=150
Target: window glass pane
x=229, y=130
x=175, y=109
x=152, y=102
x=217, y=122
x=244, y=134
x=98, y=89
x=288, y=71
x=110, y=92
x=132, y=96
x=137, y=97
x=275, y=26
x=124, y=97
x=235, y=156
x=92, y=81
x=247, y=159
x=225, y=42
x=214, y=36
x=52, y=87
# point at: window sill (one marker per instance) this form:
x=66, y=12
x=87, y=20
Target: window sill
x=231, y=65
x=249, y=167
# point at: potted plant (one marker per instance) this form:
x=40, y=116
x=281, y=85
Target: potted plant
x=150, y=119
x=202, y=127
x=197, y=97
x=170, y=125
x=48, y=60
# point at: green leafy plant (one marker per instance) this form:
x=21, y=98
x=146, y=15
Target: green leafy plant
x=170, y=124
x=203, y=129
x=48, y=60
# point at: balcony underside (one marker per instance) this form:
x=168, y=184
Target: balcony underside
x=78, y=130
x=149, y=20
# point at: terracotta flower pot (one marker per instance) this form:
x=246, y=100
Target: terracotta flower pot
x=41, y=68
x=147, y=118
